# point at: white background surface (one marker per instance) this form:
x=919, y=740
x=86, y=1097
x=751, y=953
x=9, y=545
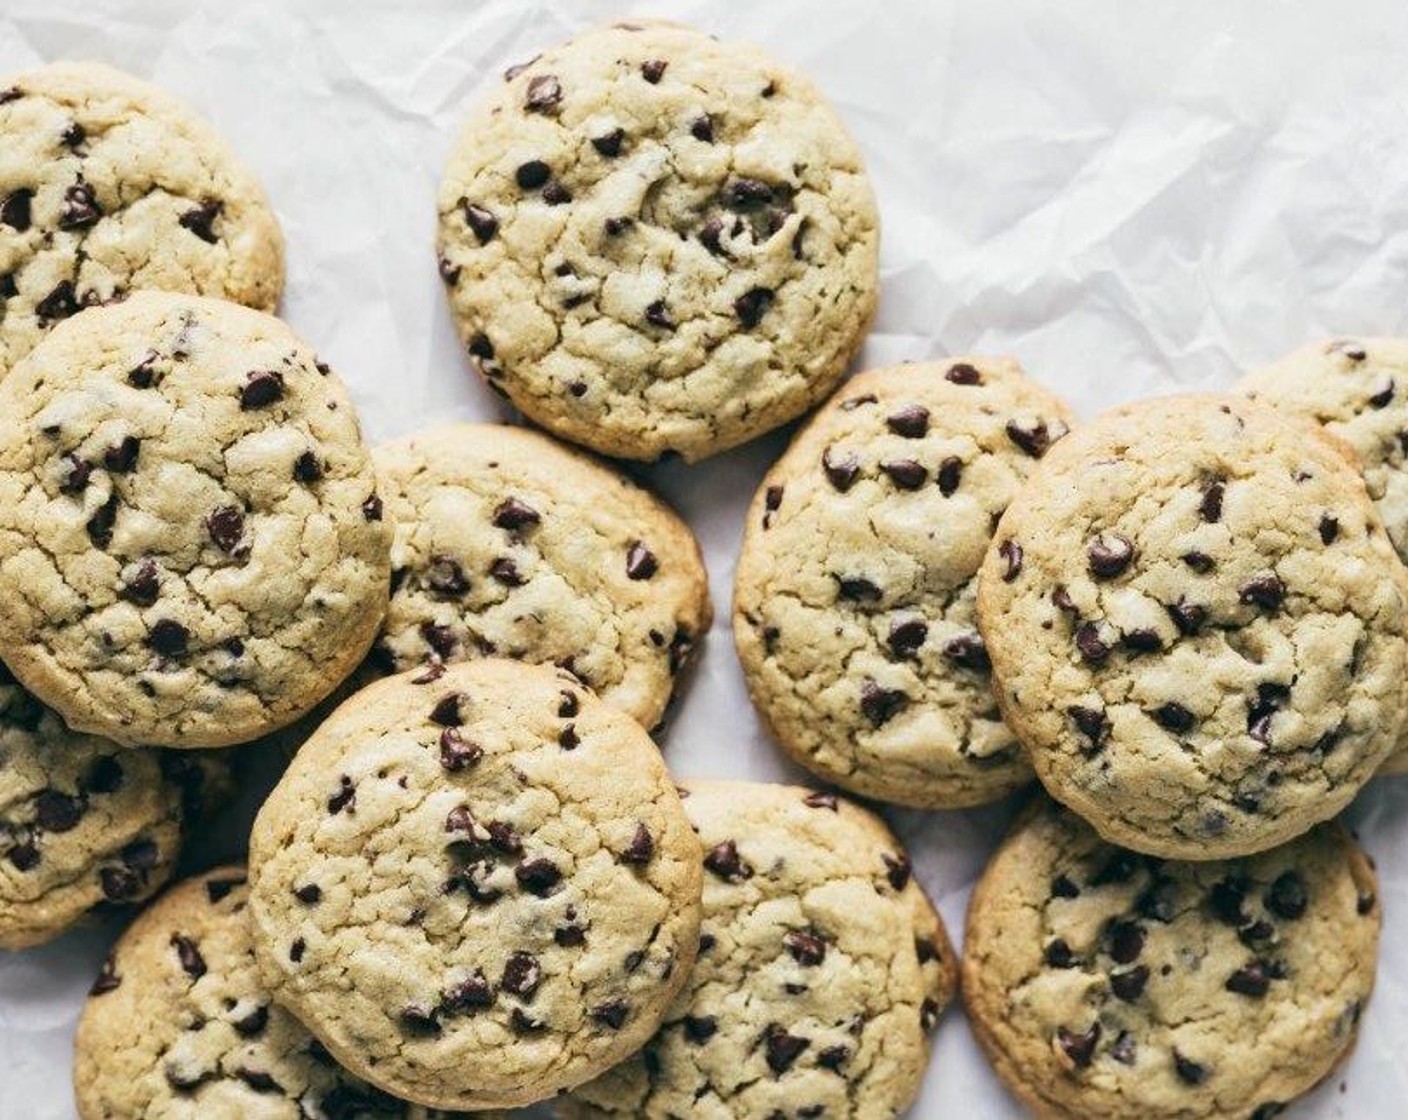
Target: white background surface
x=1131, y=198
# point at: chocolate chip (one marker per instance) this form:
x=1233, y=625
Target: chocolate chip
x=699, y=1028
x=1287, y=897
x=841, y=473
x=447, y=710
x=219, y=889
x=907, y=474
x=104, y=776
x=8, y=289
x=1128, y=984
x=107, y=979
x=441, y=640
x=1252, y=979
x=15, y=210
x=24, y=856
x=1174, y=717
x=702, y=129
x=1226, y=901
x=821, y=799
x=568, y=739
x=880, y=705
x=481, y=221
x=653, y=70
x=968, y=651
x=297, y=949
x=445, y=577
x=568, y=706
x=307, y=469
x=710, y=236
x=80, y=209
x=911, y=421
x=1365, y=903
x=614, y=227
x=1211, y=506
x=1126, y=941
x=58, y=304
x=752, y=305
x=503, y=837
x=182, y=1080
x=1119, y=868
x=1109, y=555
x=121, y=457
x=1058, y=954
x=1329, y=529
x=1011, y=553
x=1158, y=902
x=1200, y=562
x=609, y=144
x=950, y=473
x=532, y=175
x=417, y=1019
x=187, y=952
x=455, y=753
x=897, y=869
x=1188, y=617
x=613, y=1013
x=522, y=975
x=1189, y=1071
x=1382, y=398
x=961, y=373
x=658, y=315
x=806, y=948
x=1063, y=886
x=1123, y=1049
x=372, y=508
x=640, y=562
x=834, y=1057
x=1034, y=439
x=1141, y=641
x=1091, y=646
x=1079, y=1047
x=14, y=93
x=78, y=474
x=544, y=94
x=515, y=515
x=201, y=220
x=57, y=812
x=226, y=527
x=506, y=572
x=782, y=1049
x=641, y=849
x=262, y=387
x=538, y=876
x=907, y=636
x=140, y=855
x=344, y=798
x=569, y=936
x=168, y=637
x=724, y=861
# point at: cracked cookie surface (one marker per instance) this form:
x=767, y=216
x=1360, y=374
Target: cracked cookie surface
x=191, y=547
x=1357, y=389
x=178, y=1026
x=510, y=544
x=1197, y=626
x=83, y=821
x=1105, y=985
x=655, y=242
x=108, y=185
x=854, y=599
x=476, y=885
x=822, y=969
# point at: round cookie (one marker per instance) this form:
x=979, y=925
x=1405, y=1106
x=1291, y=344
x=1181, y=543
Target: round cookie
x=83, y=822
x=510, y=544
x=822, y=969
x=192, y=552
x=178, y=1025
x=1197, y=626
x=654, y=242
x=1108, y=986
x=108, y=185
x=854, y=600
x=476, y=885
x=1358, y=390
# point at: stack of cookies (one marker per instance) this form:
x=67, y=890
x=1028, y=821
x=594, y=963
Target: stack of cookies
x=476, y=886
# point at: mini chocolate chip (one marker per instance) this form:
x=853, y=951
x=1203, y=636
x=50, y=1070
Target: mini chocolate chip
x=724, y=861
x=226, y=527
x=609, y=144
x=307, y=469
x=481, y=221
x=613, y=1013
x=1109, y=555
x=907, y=474
x=1091, y=646
x=821, y=799
x=371, y=508
x=345, y=797
x=879, y=704
x=640, y=562
x=417, y=1019
x=58, y=304
x=1252, y=979
x=699, y=1028
x=961, y=373
x=782, y=1049
x=1189, y=1071
x=907, y=636
x=201, y=220
x=1058, y=954
x=514, y=515
x=187, y=952
x=1128, y=984
x=702, y=129
x=752, y=305
x=538, y=876
x=841, y=473
x=168, y=637
x=455, y=753
x=544, y=94
x=262, y=388
x=81, y=207
x=1079, y=1047
x=641, y=849
x=1011, y=553
x=447, y=710
x=1264, y=591
x=1287, y=897
x=897, y=869
x=950, y=473
x=806, y=948
x=658, y=315
x=107, y=979
x=653, y=70
x=1126, y=941
x=1174, y=717
x=1033, y=439
x=15, y=210
x=309, y=893
x=1329, y=529
x=911, y=421
x=522, y=975
x=57, y=812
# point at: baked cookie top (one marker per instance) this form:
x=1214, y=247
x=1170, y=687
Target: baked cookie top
x=656, y=242
x=107, y=185
x=822, y=969
x=854, y=600
x=1105, y=985
x=1197, y=626
x=179, y=1026
x=192, y=551
x=476, y=885
x=510, y=544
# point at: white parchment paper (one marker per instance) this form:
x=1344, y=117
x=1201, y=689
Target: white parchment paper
x=1132, y=198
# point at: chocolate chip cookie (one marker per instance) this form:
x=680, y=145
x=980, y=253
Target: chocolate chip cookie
x=510, y=544
x=108, y=185
x=192, y=550
x=1197, y=625
x=822, y=970
x=1358, y=390
x=476, y=885
x=1105, y=985
x=655, y=242
x=854, y=609
x=83, y=822
x=178, y=1024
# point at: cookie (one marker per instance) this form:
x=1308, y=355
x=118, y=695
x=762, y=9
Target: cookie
x=178, y=1024
x=476, y=885
x=1197, y=626
x=1358, y=390
x=822, y=969
x=107, y=185
x=83, y=822
x=1105, y=985
x=192, y=551
x=854, y=600
x=510, y=544
x=654, y=242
